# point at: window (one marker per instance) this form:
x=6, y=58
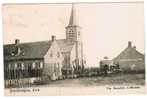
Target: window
x=15, y=66
x=6, y=66
x=70, y=31
x=37, y=65
x=58, y=65
x=29, y=65
x=58, y=54
x=19, y=65
x=79, y=33
x=22, y=66
x=33, y=65
x=54, y=67
x=41, y=64
x=51, y=54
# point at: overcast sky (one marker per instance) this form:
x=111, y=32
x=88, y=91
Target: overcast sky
x=106, y=27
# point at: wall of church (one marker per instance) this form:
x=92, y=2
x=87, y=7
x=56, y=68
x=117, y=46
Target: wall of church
x=53, y=62
x=73, y=57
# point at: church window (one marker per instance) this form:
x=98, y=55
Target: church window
x=58, y=65
x=79, y=33
x=54, y=67
x=51, y=54
x=58, y=54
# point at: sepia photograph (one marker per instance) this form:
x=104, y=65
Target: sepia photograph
x=91, y=48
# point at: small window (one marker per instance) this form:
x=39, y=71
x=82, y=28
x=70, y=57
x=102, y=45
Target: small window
x=33, y=65
x=37, y=65
x=79, y=33
x=29, y=65
x=51, y=54
x=22, y=66
x=19, y=65
x=58, y=54
x=15, y=66
x=9, y=66
x=41, y=64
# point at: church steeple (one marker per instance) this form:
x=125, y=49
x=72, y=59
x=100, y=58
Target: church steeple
x=73, y=30
x=74, y=36
x=72, y=20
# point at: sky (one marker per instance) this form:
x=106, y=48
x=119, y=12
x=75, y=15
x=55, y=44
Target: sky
x=106, y=27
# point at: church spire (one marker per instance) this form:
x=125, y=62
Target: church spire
x=72, y=20
x=73, y=30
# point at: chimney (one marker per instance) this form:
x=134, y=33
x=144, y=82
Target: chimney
x=134, y=47
x=18, y=50
x=17, y=41
x=53, y=38
x=129, y=44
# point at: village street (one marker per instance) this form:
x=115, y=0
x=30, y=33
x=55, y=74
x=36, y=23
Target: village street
x=87, y=85
x=127, y=79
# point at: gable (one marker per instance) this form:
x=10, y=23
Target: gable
x=65, y=46
x=129, y=54
x=53, y=54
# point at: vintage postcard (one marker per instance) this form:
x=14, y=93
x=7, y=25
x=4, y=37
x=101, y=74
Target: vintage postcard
x=74, y=49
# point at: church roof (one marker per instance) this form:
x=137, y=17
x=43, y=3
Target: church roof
x=130, y=53
x=73, y=20
x=28, y=50
x=65, y=45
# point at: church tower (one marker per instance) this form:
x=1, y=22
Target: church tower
x=74, y=35
x=73, y=30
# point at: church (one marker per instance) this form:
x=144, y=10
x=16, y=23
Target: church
x=27, y=63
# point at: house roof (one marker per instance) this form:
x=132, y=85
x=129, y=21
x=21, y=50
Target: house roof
x=130, y=53
x=28, y=50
